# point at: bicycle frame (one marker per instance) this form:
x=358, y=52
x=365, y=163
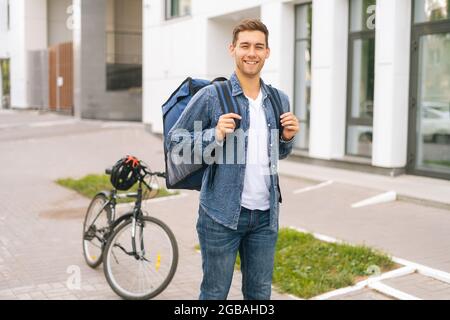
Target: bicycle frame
x=134, y=215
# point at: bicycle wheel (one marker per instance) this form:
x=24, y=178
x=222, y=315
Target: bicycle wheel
x=95, y=229
x=147, y=274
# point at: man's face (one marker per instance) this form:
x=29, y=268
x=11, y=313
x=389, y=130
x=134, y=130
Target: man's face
x=250, y=52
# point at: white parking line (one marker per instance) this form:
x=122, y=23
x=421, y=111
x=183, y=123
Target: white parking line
x=52, y=123
x=320, y=185
x=362, y=284
x=38, y=124
x=9, y=126
x=424, y=270
x=381, y=198
x=389, y=291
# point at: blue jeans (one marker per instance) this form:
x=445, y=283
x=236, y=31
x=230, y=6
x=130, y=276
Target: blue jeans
x=255, y=241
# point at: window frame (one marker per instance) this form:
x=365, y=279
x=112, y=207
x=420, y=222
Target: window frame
x=350, y=121
x=417, y=30
x=168, y=7
x=297, y=40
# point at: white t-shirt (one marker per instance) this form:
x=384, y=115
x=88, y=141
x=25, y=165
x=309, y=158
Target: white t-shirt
x=256, y=192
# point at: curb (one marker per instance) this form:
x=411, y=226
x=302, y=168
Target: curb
x=400, y=196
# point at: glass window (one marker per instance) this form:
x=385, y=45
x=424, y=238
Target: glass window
x=4, y=13
x=302, y=73
x=361, y=77
x=433, y=116
x=362, y=15
x=177, y=8
x=431, y=10
x=359, y=140
x=8, y=16
x=4, y=83
x=123, y=44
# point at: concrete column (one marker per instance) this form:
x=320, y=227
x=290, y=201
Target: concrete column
x=91, y=98
x=329, y=78
x=89, y=55
x=279, y=18
x=28, y=32
x=392, y=44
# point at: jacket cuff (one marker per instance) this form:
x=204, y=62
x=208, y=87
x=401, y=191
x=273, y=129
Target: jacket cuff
x=286, y=141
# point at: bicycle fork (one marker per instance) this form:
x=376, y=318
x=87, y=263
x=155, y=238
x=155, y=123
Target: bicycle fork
x=134, y=226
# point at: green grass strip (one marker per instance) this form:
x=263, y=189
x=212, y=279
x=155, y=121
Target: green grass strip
x=91, y=184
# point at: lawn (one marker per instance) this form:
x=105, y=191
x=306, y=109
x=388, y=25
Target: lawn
x=91, y=184
x=307, y=267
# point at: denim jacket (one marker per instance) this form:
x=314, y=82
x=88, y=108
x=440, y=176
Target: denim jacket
x=223, y=181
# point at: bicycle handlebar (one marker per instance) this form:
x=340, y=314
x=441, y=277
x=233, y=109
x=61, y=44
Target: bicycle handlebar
x=155, y=173
x=147, y=172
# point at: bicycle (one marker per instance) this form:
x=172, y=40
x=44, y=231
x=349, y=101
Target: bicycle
x=132, y=270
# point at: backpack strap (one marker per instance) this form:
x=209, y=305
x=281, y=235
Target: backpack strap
x=235, y=106
x=275, y=101
x=227, y=102
x=221, y=96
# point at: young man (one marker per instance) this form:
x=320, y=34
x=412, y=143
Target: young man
x=239, y=202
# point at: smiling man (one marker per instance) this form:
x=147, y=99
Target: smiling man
x=239, y=203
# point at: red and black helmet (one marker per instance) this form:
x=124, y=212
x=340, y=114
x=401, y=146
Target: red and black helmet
x=125, y=173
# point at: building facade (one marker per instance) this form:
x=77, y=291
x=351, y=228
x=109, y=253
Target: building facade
x=82, y=57
x=369, y=80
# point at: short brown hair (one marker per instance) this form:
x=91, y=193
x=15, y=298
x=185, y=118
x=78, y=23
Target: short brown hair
x=250, y=25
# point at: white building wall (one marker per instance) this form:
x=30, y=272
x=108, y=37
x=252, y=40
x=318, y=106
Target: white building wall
x=59, y=22
x=4, y=40
x=392, y=58
x=171, y=53
x=28, y=32
x=329, y=78
x=279, y=17
x=4, y=32
x=18, y=56
x=197, y=46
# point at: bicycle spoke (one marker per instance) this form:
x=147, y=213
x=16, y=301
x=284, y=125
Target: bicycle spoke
x=95, y=245
x=115, y=257
x=140, y=274
x=147, y=276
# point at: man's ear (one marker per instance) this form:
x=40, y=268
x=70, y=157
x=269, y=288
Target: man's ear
x=268, y=53
x=231, y=48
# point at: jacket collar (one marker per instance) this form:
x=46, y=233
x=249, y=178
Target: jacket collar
x=237, y=89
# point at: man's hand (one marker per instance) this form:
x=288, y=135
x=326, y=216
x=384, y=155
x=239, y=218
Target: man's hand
x=290, y=125
x=226, y=124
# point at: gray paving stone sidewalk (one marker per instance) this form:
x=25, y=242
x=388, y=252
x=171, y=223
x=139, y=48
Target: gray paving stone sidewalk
x=40, y=222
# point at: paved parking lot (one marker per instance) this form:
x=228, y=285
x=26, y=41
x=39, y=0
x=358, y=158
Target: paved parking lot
x=40, y=222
